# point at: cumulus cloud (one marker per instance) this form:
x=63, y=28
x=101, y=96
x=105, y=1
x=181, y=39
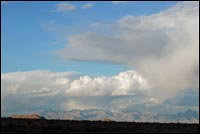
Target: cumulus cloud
x=64, y=7
x=126, y=83
x=47, y=83
x=163, y=47
x=87, y=6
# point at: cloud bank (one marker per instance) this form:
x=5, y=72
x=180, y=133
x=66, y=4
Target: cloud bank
x=23, y=92
x=163, y=47
x=43, y=89
x=47, y=83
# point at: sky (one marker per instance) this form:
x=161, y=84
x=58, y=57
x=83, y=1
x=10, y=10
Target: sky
x=82, y=55
x=35, y=29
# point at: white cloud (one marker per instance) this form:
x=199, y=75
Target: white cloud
x=87, y=6
x=119, y=2
x=152, y=102
x=163, y=47
x=64, y=7
x=43, y=83
x=23, y=92
x=126, y=83
x=35, y=83
x=43, y=89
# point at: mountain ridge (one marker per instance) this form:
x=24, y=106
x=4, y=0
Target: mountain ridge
x=27, y=116
x=188, y=116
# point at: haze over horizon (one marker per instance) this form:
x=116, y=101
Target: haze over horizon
x=114, y=55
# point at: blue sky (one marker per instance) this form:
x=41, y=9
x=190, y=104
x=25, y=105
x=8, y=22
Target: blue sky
x=31, y=31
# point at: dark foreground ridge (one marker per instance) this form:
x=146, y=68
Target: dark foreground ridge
x=9, y=125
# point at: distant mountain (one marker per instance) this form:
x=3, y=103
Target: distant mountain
x=188, y=117
x=28, y=116
x=98, y=114
x=92, y=114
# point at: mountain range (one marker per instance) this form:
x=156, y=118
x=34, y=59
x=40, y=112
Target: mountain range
x=188, y=116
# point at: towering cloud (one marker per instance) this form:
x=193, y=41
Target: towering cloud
x=163, y=47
